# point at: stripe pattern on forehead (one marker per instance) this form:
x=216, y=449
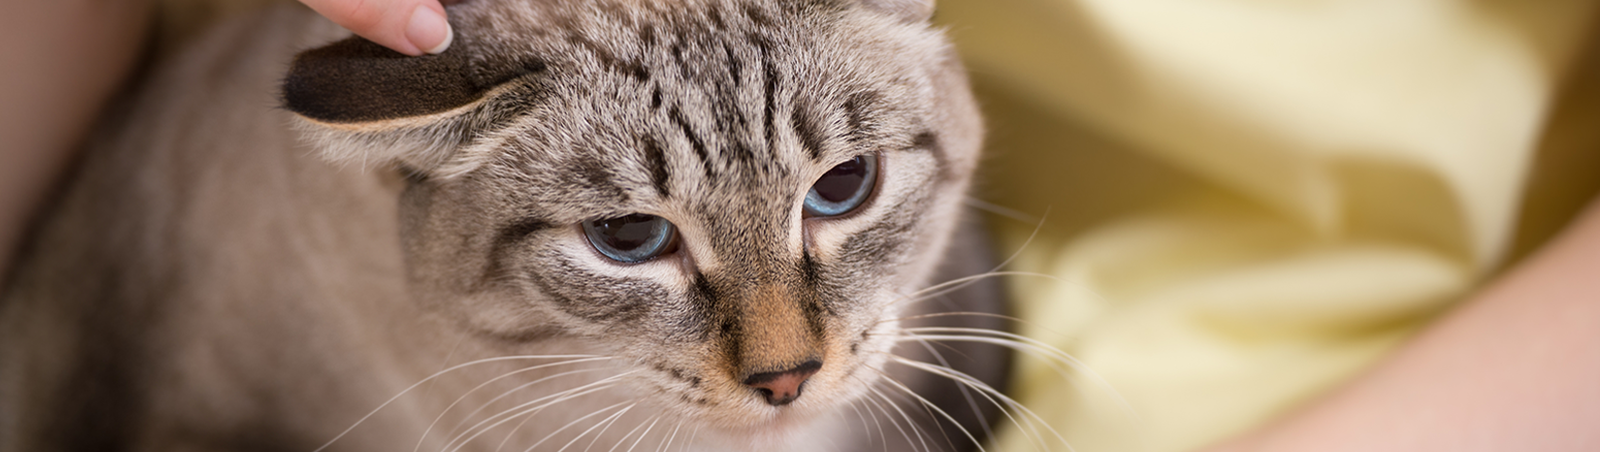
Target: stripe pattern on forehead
x=729, y=90
x=656, y=159
x=740, y=96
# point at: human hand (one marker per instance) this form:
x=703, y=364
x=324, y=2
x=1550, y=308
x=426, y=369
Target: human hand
x=412, y=27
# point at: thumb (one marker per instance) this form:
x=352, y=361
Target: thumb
x=412, y=27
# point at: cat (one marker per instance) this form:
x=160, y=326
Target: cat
x=666, y=225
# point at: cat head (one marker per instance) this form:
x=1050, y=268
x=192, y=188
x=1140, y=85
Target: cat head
x=734, y=195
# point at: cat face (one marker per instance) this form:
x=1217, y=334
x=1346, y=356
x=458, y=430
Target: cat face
x=734, y=197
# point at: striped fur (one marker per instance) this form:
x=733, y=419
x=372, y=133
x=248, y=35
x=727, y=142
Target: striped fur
x=278, y=297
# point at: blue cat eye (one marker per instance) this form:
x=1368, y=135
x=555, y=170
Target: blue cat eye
x=631, y=239
x=843, y=188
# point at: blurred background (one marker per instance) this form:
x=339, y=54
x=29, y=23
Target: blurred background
x=1242, y=203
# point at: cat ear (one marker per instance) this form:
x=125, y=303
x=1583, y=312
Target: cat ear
x=361, y=102
x=357, y=81
x=911, y=11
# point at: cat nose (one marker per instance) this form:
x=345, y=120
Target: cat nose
x=782, y=387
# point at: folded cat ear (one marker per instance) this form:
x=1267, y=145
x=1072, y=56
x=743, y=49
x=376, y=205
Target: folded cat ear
x=361, y=102
x=357, y=81
x=911, y=11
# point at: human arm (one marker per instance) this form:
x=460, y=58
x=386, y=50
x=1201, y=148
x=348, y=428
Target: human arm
x=1516, y=367
x=64, y=59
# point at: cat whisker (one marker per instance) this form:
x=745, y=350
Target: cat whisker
x=653, y=421
x=917, y=430
x=610, y=423
x=1037, y=226
x=529, y=414
x=1004, y=403
x=624, y=437
x=833, y=444
x=933, y=410
x=447, y=358
x=692, y=436
x=1000, y=210
x=435, y=376
x=1014, y=341
x=892, y=421
x=911, y=405
x=873, y=403
x=457, y=428
x=668, y=444
x=994, y=337
x=647, y=421
x=965, y=394
x=464, y=395
x=935, y=315
x=865, y=428
x=953, y=285
x=559, y=397
x=572, y=423
x=878, y=395
x=961, y=283
x=606, y=423
x=1020, y=343
x=994, y=396
x=1008, y=318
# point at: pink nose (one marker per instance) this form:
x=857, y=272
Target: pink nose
x=782, y=387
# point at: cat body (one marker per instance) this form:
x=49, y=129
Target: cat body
x=397, y=258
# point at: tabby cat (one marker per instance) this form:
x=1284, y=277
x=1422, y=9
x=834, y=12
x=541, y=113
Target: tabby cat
x=589, y=225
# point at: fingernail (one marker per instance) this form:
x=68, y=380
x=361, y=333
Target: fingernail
x=428, y=30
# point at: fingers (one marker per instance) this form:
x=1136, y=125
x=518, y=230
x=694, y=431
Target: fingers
x=412, y=27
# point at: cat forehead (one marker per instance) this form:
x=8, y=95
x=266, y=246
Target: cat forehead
x=714, y=92
x=617, y=21
x=626, y=36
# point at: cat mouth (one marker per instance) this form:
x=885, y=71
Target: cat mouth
x=779, y=428
x=749, y=414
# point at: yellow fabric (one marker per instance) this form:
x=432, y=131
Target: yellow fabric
x=1248, y=201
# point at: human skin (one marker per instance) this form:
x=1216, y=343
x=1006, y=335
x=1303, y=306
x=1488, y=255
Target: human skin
x=1516, y=367
x=412, y=27
x=63, y=59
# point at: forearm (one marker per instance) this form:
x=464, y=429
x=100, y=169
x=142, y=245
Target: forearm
x=63, y=59
x=1515, y=368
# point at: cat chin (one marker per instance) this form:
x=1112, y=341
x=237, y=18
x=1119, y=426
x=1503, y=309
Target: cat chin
x=783, y=432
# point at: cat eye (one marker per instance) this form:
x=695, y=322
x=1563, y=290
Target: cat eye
x=631, y=239
x=843, y=188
